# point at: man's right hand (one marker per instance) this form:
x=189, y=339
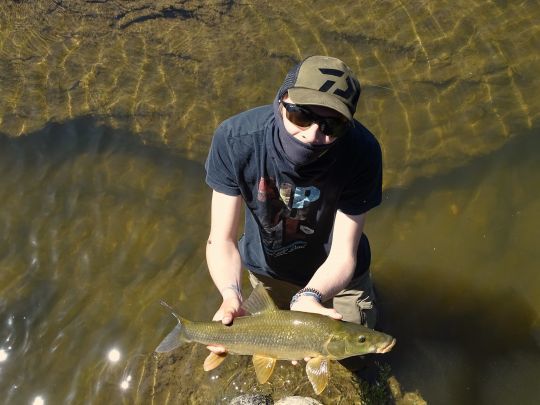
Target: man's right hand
x=229, y=309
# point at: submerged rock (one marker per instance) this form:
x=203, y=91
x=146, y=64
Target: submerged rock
x=252, y=399
x=178, y=377
x=298, y=401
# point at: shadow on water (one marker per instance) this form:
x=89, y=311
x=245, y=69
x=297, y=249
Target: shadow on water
x=69, y=174
x=466, y=333
x=58, y=142
x=94, y=227
x=450, y=345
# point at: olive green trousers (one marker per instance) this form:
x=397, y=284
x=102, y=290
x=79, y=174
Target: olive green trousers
x=356, y=302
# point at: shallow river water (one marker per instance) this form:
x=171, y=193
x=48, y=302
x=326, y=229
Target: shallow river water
x=106, y=115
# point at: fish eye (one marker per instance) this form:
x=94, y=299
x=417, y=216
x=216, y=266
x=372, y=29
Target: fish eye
x=361, y=338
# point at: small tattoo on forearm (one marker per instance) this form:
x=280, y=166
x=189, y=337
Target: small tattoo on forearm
x=233, y=287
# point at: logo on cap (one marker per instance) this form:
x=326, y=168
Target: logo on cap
x=347, y=93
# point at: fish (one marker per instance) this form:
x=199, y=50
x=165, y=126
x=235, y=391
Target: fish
x=270, y=334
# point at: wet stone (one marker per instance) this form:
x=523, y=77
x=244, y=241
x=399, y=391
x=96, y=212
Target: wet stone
x=295, y=400
x=178, y=377
x=252, y=399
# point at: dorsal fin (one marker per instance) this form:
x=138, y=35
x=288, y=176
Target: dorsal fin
x=259, y=301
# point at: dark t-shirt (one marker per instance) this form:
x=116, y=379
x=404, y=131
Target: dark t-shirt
x=290, y=210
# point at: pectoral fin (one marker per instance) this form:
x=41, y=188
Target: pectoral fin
x=213, y=360
x=264, y=367
x=317, y=372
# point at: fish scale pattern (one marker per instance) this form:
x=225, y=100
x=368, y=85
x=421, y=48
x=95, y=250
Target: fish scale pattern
x=281, y=334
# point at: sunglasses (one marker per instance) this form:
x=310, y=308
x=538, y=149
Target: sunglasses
x=304, y=118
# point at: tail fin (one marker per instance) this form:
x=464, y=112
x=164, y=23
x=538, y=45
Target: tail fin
x=174, y=338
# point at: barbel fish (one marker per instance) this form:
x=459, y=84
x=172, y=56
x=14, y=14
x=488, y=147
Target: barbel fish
x=270, y=334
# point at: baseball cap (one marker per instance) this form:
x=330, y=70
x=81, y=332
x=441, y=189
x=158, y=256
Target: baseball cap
x=323, y=81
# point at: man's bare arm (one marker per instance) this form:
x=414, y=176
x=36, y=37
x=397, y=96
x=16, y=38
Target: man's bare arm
x=222, y=254
x=338, y=269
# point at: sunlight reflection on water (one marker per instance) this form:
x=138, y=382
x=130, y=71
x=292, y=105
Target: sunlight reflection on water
x=114, y=355
x=3, y=355
x=125, y=383
x=39, y=400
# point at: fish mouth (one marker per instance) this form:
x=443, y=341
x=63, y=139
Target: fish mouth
x=387, y=348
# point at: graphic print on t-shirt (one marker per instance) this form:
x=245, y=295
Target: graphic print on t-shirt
x=289, y=215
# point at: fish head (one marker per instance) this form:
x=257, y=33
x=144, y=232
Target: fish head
x=351, y=339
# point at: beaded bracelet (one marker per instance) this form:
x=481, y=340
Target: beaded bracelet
x=310, y=292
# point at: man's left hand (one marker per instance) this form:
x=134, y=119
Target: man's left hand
x=308, y=304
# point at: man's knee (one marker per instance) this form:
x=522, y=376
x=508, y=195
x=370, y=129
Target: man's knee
x=357, y=302
x=280, y=291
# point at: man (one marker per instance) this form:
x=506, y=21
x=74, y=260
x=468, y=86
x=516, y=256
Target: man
x=307, y=173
